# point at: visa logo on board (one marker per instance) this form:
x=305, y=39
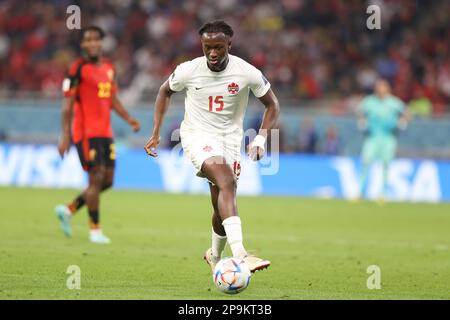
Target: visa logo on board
x=39, y=166
x=408, y=180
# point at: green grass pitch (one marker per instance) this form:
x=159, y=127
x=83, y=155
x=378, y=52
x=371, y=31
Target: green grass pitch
x=320, y=249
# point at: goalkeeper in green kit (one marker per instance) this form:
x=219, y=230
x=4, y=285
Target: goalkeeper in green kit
x=381, y=116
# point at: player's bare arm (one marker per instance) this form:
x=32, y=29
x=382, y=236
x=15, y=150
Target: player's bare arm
x=66, y=119
x=270, y=117
x=123, y=113
x=161, y=106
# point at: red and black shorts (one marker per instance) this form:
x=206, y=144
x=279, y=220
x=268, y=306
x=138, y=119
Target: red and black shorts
x=97, y=152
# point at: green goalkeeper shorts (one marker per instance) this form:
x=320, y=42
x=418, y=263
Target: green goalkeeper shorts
x=379, y=149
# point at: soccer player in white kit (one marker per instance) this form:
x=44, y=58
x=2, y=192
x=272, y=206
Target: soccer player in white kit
x=217, y=87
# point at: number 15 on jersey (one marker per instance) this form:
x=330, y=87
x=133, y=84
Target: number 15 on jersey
x=217, y=102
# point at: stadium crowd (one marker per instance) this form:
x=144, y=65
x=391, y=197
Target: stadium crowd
x=308, y=49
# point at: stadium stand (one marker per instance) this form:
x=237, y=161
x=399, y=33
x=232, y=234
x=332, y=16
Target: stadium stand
x=309, y=49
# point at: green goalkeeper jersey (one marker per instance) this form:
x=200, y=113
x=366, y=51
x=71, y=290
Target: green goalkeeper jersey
x=382, y=114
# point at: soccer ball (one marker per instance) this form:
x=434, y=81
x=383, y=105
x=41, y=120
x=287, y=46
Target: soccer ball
x=231, y=275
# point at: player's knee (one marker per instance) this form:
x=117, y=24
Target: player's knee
x=227, y=182
x=108, y=179
x=107, y=184
x=97, y=178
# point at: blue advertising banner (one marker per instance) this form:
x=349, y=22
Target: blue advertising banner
x=287, y=175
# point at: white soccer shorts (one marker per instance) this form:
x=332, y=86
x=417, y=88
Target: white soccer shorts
x=199, y=146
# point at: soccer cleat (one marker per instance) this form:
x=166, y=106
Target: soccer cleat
x=255, y=263
x=97, y=236
x=63, y=214
x=211, y=259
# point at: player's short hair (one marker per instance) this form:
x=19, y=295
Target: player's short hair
x=93, y=28
x=216, y=27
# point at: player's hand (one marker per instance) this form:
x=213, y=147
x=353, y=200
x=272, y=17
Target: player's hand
x=150, y=146
x=63, y=146
x=256, y=148
x=255, y=153
x=134, y=124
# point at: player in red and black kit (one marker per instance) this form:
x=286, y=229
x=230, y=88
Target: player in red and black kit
x=90, y=94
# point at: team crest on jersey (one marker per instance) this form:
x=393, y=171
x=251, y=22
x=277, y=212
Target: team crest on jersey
x=233, y=88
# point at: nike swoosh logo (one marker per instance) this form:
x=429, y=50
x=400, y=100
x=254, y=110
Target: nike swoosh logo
x=197, y=88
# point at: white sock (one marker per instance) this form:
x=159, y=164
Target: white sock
x=218, y=244
x=233, y=229
x=95, y=232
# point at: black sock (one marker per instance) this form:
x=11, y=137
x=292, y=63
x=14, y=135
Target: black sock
x=94, y=216
x=79, y=202
x=76, y=204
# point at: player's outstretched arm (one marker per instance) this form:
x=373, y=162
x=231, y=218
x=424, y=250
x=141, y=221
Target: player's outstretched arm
x=270, y=101
x=161, y=105
x=123, y=113
x=270, y=117
x=66, y=119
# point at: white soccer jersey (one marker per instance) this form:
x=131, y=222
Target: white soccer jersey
x=216, y=101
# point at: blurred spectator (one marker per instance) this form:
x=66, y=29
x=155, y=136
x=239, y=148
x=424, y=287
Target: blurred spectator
x=173, y=135
x=3, y=135
x=420, y=105
x=332, y=143
x=307, y=139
